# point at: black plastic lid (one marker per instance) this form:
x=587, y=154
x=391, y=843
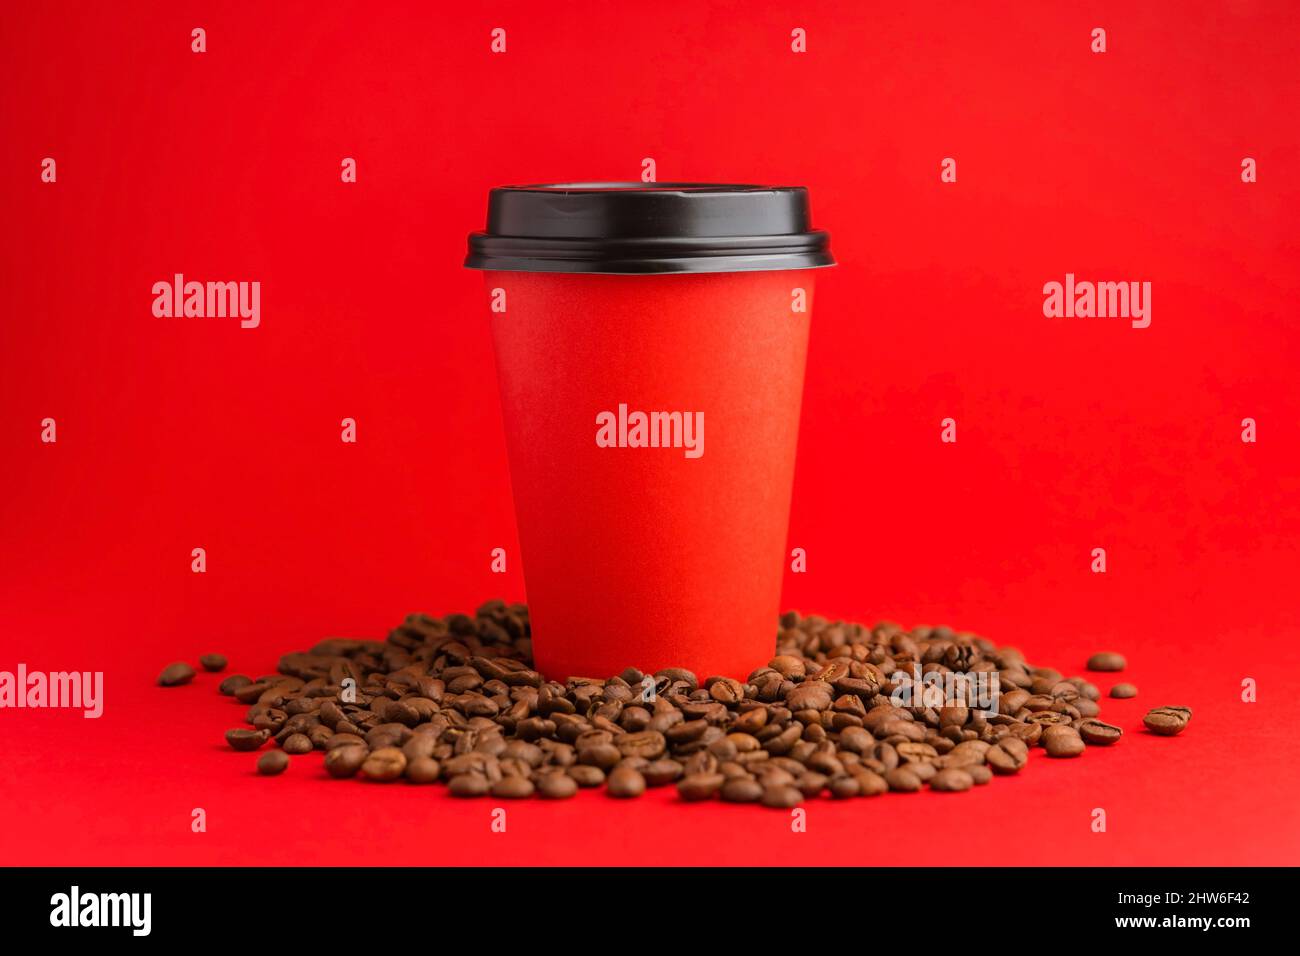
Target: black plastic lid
x=640, y=228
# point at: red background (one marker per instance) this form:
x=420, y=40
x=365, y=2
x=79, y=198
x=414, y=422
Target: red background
x=1072, y=433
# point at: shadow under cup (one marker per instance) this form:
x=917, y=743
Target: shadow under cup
x=650, y=345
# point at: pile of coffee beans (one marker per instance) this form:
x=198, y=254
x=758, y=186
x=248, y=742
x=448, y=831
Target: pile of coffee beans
x=455, y=700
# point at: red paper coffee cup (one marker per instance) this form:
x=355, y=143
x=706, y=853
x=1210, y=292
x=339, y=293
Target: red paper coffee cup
x=650, y=345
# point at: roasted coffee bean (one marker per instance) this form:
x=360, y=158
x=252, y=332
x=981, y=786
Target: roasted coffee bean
x=700, y=786
x=649, y=744
x=556, y=786
x=771, y=775
x=593, y=738
x=741, y=790
x=384, y=765
x=634, y=719
x=902, y=731
x=1002, y=759
x=1086, y=707
x=604, y=756
x=953, y=716
x=1016, y=746
x=915, y=753
x=297, y=744
x=842, y=788
x=625, y=782
x=788, y=666
x=345, y=761
x=975, y=748
x=680, y=674
x=904, y=780
x=270, y=720
x=1123, y=691
x=660, y=773
x=530, y=754
x=233, y=683
x=687, y=732
x=885, y=755
x=586, y=775
x=1065, y=692
x=383, y=737
x=1028, y=733
x=1049, y=718
x=514, y=767
x=420, y=745
x=249, y=693
x=422, y=770
x=1099, y=733
x=1107, y=661
x=213, y=662
x=922, y=771
x=857, y=740
x=810, y=784
x=725, y=690
x=833, y=671
x=468, y=762
x=468, y=785
x=511, y=788
x=1012, y=701
x=952, y=780
x=810, y=695
x=1062, y=741
x=241, y=739
x=1167, y=721
x=633, y=763
x=962, y=758
x=781, y=797
x=272, y=762
x=173, y=675
x=723, y=749
x=871, y=784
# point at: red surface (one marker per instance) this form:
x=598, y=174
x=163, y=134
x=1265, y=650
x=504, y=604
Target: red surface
x=667, y=561
x=1073, y=433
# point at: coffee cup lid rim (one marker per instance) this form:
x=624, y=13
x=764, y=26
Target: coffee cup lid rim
x=628, y=228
